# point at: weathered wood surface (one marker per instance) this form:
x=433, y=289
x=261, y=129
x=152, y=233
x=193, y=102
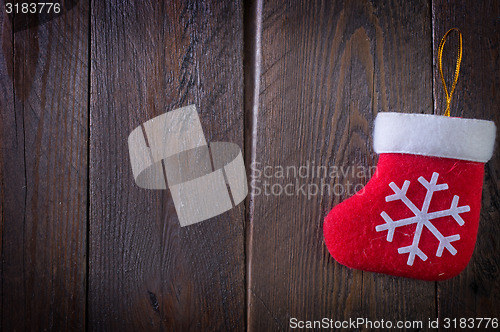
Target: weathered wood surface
x=146, y=272
x=327, y=69
x=83, y=248
x=43, y=172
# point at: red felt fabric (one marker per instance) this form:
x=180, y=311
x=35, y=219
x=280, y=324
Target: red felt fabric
x=353, y=241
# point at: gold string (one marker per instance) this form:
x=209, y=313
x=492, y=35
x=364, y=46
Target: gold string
x=457, y=68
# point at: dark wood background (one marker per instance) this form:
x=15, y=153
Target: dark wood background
x=83, y=248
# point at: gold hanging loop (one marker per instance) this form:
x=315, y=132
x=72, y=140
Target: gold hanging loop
x=457, y=68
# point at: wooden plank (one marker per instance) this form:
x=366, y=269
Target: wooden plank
x=327, y=69
x=146, y=272
x=43, y=172
x=476, y=291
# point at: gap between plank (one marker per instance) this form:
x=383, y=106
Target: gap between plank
x=434, y=104
x=87, y=240
x=252, y=31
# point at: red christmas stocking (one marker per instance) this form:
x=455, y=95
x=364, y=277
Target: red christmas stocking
x=418, y=216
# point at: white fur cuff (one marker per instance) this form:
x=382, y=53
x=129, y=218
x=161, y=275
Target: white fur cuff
x=434, y=135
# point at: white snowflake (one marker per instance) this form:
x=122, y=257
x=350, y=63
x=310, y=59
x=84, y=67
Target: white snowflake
x=422, y=218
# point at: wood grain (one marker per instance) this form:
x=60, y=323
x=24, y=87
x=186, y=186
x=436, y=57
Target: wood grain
x=476, y=291
x=146, y=272
x=327, y=69
x=43, y=172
